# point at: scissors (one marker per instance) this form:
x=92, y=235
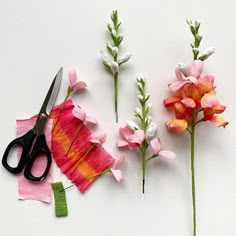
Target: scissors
x=33, y=143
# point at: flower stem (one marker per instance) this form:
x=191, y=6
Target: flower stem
x=77, y=131
x=87, y=178
x=116, y=96
x=193, y=172
x=82, y=158
x=62, y=107
x=143, y=167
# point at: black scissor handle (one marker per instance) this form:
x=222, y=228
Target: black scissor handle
x=25, y=142
x=40, y=147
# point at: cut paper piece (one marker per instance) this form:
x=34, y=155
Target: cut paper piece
x=60, y=199
x=29, y=190
x=95, y=162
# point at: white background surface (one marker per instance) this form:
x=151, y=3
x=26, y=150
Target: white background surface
x=37, y=37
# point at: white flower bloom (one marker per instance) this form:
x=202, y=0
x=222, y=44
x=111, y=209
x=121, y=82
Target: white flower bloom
x=125, y=58
x=113, y=32
x=208, y=51
x=137, y=111
x=151, y=131
x=140, y=97
x=114, y=51
x=132, y=125
x=105, y=59
x=114, y=68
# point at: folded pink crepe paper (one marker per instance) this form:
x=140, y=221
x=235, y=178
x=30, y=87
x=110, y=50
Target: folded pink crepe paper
x=96, y=161
x=29, y=190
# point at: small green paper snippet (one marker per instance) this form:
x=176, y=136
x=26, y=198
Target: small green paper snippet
x=60, y=199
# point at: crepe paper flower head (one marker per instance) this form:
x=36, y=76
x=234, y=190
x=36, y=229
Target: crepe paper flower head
x=80, y=114
x=111, y=58
x=142, y=137
x=74, y=84
x=115, y=170
x=194, y=101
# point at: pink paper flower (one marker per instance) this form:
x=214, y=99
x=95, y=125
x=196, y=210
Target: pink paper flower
x=74, y=83
x=98, y=137
x=117, y=173
x=80, y=113
x=156, y=146
x=131, y=139
x=191, y=75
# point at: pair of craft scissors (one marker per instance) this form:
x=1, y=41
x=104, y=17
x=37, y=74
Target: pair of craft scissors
x=33, y=143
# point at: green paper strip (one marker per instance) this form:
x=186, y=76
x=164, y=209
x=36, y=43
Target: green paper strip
x=60, y=199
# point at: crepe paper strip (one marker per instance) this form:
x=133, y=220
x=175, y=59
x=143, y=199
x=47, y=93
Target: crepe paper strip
x=96, y=161
x=60, y=199
x=28, y=190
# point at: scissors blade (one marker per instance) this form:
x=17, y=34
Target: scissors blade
x=48, y=103
x=52, y=93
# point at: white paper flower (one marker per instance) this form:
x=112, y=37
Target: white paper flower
x=132, y=125
x=151, y=131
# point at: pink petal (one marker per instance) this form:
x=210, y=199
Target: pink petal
x=156, y=145
x=79, y=113
x=122, y=143
x=194, y=69
x=192, y=79
x=117, y=174
x=79, y=85
x=72, y=77
x=133, y=145
x=188, y=102
x=91, y=119
x=137, y=137
x=118, y=163
x=98, y=137
x=179, y=74
x=167, y=154
x=209, y=100
x=175, y=86
x=125, y=132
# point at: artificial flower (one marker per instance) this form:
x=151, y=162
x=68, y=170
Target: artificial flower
x=80, y=113
x=142, y=138
x=131, y=139
x=194, y=101
x=74, y=83
x=114, y=63
x=115, y=170
x=156, y=147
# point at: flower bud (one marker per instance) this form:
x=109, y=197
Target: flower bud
x=140, y=97
x=151, y=131
x=195, y=50
x=124, y=58
x=105, y=59
x=137, y=111
x=197, y=23
x=114, y=51
x=206, y=53
x=114, y=68
x=132, y=125
x=109, y=26
x=189, y=21
x=149, y=105
x=113, y=32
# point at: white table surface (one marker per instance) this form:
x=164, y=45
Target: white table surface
x=37, y=37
